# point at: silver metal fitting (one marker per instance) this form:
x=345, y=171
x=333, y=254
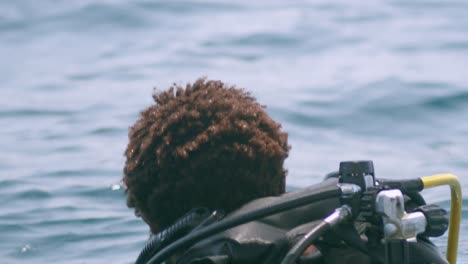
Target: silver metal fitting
x=369, y=180
x=348, y=189
x=338, y=215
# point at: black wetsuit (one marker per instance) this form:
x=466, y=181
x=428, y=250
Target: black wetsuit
x=269, y=239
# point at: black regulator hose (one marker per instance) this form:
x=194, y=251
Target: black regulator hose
x=181, y=227
x=192, y=238
x=340, y=215
x=351, y=237
x=300, y=246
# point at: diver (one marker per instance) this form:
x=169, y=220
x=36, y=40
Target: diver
x=209, y=151
x=209, y=145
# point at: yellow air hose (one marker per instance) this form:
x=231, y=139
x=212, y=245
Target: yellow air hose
x=455, y=209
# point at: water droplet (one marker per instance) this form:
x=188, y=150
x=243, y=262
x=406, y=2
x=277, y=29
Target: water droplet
x=116, y=187
x=26, y=248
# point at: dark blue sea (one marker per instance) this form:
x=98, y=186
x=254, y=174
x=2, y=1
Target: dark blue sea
x=381, y=80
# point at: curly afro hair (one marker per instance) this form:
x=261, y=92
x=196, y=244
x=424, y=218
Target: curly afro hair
x=208, y=145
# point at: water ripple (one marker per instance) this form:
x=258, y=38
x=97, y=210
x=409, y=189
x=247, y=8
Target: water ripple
x=23, y=113
x=448, y=102
x=34, y=194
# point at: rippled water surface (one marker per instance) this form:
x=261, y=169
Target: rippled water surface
x=381, y=80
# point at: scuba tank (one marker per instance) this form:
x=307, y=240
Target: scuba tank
x=349, y=217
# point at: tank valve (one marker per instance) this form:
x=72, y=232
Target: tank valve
x=437, y=219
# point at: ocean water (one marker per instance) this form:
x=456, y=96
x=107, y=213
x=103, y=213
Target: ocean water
x=380, y=80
